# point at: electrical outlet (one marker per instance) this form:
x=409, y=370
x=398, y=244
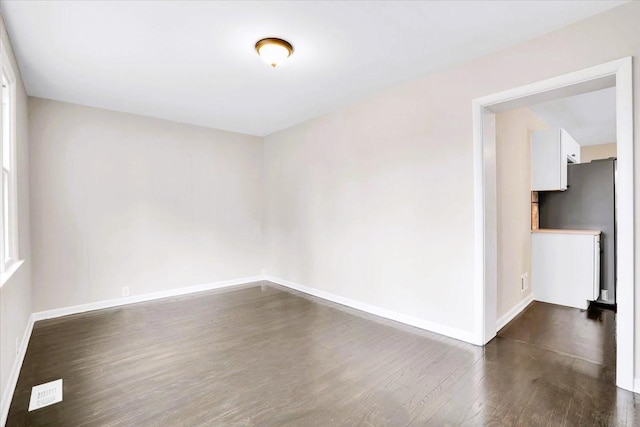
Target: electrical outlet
x=125, y=291
x=524, y=282
x=604, y=295
x=17, y=346
x=263, y=271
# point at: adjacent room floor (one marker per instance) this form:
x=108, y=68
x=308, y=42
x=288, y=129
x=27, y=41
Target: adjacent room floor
x=264, y=355
x=588, y=335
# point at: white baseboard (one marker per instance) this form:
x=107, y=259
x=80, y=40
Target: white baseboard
x=12, y=381
x=511, y=314
x=75, y=309
x=438, y=328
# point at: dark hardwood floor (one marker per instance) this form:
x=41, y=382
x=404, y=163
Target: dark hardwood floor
x=261, y=355
x=590, y=335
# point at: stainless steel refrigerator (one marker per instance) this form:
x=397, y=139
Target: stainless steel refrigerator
x=587, y=204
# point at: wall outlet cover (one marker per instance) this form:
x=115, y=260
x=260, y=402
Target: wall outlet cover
x=524, y=282
x=604, y=295
x=125, y=291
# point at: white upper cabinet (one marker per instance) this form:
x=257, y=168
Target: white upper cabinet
x=551, y=151
x=571, y=147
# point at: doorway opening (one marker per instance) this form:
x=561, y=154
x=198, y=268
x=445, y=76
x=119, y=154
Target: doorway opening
x=616, y=74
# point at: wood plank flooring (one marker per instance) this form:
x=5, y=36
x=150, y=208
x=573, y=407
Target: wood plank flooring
x=590, y=335
x=261, y=355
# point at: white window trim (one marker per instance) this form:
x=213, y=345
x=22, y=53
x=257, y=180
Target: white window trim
x=12, y=264
x=10, y=271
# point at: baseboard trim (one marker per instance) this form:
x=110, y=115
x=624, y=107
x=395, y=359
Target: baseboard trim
x=511, y=314
x=636, y=385
x=82, y=308
x=7, y=396
x=377, y=311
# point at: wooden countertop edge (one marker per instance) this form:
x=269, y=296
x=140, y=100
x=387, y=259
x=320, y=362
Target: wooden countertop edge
x=558, y=231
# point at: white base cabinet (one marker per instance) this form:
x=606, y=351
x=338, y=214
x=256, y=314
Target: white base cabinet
x=565, y=266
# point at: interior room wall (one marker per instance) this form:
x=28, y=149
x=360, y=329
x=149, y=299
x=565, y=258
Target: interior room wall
x=357, y=202
x=15, y=294
x=513, y=193
x=120, y=200
x=600, y=151
x=374, y=202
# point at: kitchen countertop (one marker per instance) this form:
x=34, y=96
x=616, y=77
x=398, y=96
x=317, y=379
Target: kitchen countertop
x=559, y=231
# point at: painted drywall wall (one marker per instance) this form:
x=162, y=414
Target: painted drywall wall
x=15, y=294
x=355, y=206
x=513, y=196
x=600, y=151
x=120, y=200
x=374, y=202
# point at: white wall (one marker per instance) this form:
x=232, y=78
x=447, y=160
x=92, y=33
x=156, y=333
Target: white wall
x=122, y=200
x=15, y=294
x=600, y=151
x=375, y=201
x=513, y=181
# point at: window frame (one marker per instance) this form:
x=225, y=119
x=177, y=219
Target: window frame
x=10, y=260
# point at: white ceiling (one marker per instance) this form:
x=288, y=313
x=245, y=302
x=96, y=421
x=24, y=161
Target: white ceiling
x=590, y=118
x=194, y=61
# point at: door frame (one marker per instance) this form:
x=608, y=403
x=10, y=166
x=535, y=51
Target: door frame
x=485, y=205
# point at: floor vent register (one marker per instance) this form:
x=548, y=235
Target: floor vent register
x=45, y=394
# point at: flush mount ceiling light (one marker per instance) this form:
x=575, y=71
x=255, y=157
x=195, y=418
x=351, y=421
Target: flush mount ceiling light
x=274, y=51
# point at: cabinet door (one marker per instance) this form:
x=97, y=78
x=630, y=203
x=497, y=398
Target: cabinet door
x=564, y=152
x=576, y=150
x=548, y=161
x=596, y=268
x=563, y=268
x=570, y=145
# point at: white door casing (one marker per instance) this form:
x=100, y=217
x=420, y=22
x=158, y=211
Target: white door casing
x=485, y=208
